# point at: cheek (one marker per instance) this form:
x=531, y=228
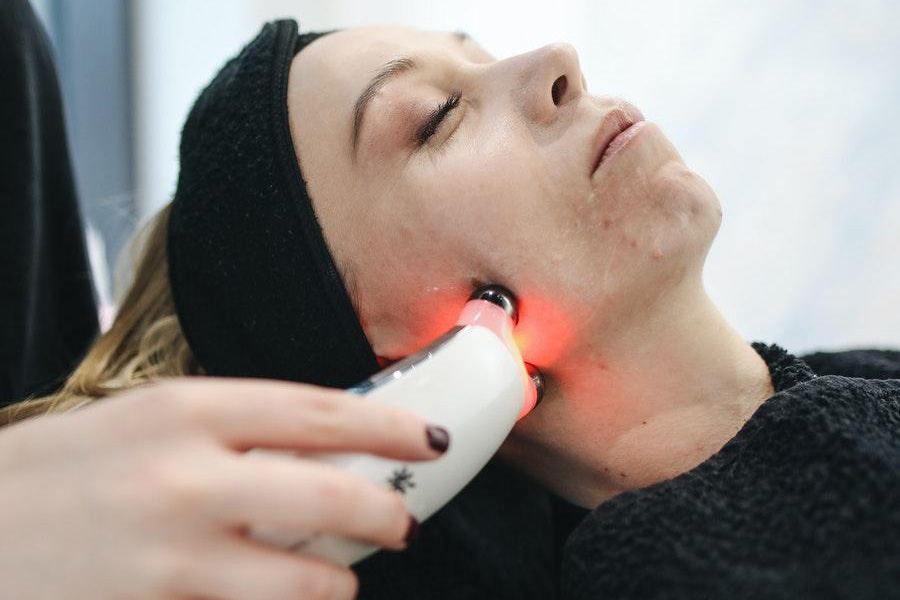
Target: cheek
x=483, y=205
x=503, y=225
x=463, y=217
x=431, y=237
x=411, y=278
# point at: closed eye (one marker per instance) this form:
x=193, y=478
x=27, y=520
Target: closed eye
x=431, y=124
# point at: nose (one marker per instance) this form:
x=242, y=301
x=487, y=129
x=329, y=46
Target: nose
x=550, y=78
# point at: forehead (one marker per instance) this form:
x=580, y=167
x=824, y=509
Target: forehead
x=328, y=75
x=341, y=63
x=358, y=51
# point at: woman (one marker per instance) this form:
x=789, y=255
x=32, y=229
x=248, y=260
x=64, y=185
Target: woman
x=433, y=168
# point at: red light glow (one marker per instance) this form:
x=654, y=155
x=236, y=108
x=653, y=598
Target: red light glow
x=542, y=335
x=543, y=332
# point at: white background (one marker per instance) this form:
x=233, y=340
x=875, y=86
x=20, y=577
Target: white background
x=788, y=108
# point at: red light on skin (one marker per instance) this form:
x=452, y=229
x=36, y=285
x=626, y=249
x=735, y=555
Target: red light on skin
x=440, y=317
x=522, y=340
x=443, y=315
x=542, y=334
x=544, y=331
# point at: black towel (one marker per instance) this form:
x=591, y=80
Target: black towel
x=803, y=503
x=869, y=363
x=255, y=287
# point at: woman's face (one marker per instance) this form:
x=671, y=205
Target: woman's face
x=502, y=190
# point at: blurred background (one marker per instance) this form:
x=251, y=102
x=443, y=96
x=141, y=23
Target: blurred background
x=787, y=108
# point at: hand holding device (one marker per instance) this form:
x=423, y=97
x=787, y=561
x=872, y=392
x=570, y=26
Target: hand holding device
x=149, y=494
x=471, y=381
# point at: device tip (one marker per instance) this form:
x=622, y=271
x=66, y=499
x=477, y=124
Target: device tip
x=499, y=295
x=535, y=374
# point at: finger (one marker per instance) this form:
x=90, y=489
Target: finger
x=247, y=570
x=273, y=414
x=280, y=492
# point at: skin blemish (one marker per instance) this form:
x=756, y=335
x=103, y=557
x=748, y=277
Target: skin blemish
x=607, y=223
x=657, y=254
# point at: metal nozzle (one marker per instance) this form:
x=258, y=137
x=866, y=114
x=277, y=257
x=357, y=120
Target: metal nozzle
x=499, y=295
x=538, y=380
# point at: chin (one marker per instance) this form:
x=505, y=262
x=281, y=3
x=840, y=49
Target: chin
x=685, y=200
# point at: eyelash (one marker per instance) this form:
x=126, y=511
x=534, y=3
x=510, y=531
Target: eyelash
x=431, y=124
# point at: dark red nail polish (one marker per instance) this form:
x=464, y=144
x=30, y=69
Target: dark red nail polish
x=438, y=438
x=413, y=530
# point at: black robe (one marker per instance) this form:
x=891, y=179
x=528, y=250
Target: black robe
x=803, y=503
x=47, y=309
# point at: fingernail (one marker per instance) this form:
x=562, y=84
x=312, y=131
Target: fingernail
x=438, y=438
x=413, y=530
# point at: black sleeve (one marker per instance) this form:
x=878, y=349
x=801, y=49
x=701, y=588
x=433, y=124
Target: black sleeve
x=867, y=363
x=494, y=541
x=804, y=503
x=47, y=309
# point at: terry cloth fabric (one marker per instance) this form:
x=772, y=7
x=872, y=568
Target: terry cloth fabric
x=493, y=541
x=47, y=311
x=867, y=363
x=255, y=287
x=803, y=503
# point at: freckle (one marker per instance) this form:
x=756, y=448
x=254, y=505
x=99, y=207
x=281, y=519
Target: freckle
x=643, y=422
x=606, y=223
x=606, y=469
x=624, y=476
x=657, y=254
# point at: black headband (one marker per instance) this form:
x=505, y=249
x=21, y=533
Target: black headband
x=255, y=288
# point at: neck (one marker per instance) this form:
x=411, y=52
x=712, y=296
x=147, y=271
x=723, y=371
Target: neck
x=648, y=402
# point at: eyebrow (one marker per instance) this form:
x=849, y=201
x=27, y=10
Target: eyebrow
x=383, y=75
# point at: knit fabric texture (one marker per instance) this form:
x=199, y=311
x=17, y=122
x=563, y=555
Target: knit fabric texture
x=804, y=502
x=255, y=287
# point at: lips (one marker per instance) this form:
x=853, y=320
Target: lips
x=615, y=121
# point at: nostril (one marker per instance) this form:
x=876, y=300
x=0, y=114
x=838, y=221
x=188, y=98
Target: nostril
x=558, y=89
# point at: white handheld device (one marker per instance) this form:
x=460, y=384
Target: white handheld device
x=472, y=382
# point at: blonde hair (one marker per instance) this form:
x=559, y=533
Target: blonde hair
x=144, y=344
